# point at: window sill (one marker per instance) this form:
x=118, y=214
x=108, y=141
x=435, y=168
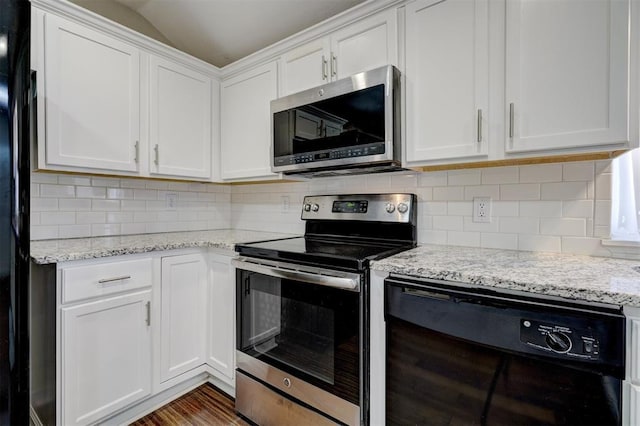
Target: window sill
x=623, y=249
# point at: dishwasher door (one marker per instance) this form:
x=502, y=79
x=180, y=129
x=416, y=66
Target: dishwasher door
x=458, y=354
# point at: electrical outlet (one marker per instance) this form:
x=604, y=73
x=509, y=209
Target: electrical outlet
x=482, y=209
x=171, y=200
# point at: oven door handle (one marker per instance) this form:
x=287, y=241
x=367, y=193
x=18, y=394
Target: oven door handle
x=351, y=282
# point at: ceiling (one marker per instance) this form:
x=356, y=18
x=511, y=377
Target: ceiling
x=218, y=31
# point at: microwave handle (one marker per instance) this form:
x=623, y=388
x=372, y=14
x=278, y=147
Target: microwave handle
x=342, y=283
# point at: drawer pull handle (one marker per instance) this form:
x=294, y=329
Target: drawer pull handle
x=108, y=280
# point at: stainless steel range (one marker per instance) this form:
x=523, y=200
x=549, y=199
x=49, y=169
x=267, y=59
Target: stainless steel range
x=303, y=310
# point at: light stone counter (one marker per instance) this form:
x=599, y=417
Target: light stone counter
x=56, y=251
x=606, y=280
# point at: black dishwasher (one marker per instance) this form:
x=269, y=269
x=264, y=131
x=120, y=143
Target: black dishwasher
x=461, y=354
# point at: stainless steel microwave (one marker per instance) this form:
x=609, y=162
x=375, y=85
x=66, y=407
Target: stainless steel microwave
x=348, y=126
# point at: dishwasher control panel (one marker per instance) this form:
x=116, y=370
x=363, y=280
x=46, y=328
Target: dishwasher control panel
x=559, y=339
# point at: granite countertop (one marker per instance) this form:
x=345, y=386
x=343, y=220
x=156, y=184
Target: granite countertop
x=56, y=251
x=598, y=279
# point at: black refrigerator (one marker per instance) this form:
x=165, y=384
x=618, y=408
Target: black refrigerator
x=15, y=105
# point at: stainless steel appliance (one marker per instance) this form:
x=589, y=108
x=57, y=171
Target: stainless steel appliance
x=14, y=210
x=345, y=127
x=465, y=355
x=303, y=310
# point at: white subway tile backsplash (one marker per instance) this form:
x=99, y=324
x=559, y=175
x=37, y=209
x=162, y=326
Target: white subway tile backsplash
x=539, y=173
x=90, y=217
x=448, y=193
x=492, y=191
x=432, y=179
x=539, y=243
x=505, y=208
x=74, y=204
x=44, y=178
x=74, y=180
x=57, y=191
x=577, y=208
x=460, y=208
x=448, y=223
x=105, y=205
x=547, y=207
x=44, y=204
x=500, y=175
x=102, y=181
x=467, y=239
x=58, y=218
x=541, y=208
x=74, y=231
x=145, y=194
x=91, y=192
x=578, y=171
x=499, y=241
x=120, y=193
x=584, y=246
x=563, y=227
x=464, y=177
x=521, y=191
x=519, y=225
x=564, y=191
x=471, y=226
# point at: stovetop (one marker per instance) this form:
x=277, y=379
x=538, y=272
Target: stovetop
x=345, y=231
x=336, y=253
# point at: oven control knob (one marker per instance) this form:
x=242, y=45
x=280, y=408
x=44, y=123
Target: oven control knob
x=315, y=207
x=402, y=208
x=307, y=207
x=390, y=208
x=558, y=342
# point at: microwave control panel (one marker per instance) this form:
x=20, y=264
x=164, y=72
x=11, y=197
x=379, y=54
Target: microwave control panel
x=331, y=154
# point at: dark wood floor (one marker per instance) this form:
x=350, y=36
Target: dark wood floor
x=204, y=405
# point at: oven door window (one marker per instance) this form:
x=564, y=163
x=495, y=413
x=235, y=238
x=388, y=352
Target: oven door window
x=307, y=330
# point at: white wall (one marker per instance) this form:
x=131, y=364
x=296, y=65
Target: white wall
x=562, y=207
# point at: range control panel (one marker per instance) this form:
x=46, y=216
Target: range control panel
x=560, y=339
x=369, y=207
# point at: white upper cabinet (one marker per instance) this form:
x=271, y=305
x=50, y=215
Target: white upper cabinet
x=566, y=74
x=92, y=99
x=446, y=75
x=364, y=45
x=246, y=123
x=180, y=120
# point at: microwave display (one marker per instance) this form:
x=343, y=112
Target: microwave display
x=349, y=125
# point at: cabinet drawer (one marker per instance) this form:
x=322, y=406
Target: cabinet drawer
x=82, y=282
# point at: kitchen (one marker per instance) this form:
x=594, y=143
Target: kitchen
x=149, y=186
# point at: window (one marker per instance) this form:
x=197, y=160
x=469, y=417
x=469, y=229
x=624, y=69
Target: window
x=625, y=211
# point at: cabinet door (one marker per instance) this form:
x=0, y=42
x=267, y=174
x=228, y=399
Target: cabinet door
x=305, y=67
x=106, y=356
x=180, y=120
x=221, y=307
x=246, y=123
x=566, y=73
x=182, y=324
x=446, y=76
x=365, y=45
x=92, y=96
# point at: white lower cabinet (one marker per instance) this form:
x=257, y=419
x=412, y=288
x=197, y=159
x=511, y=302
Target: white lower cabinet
x=182, y=314
x=221, y=316
x=106, y=356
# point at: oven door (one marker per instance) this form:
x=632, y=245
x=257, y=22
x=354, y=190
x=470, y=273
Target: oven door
x=303, y=322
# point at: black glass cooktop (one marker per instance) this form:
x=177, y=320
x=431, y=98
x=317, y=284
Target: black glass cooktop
x=322, y=252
